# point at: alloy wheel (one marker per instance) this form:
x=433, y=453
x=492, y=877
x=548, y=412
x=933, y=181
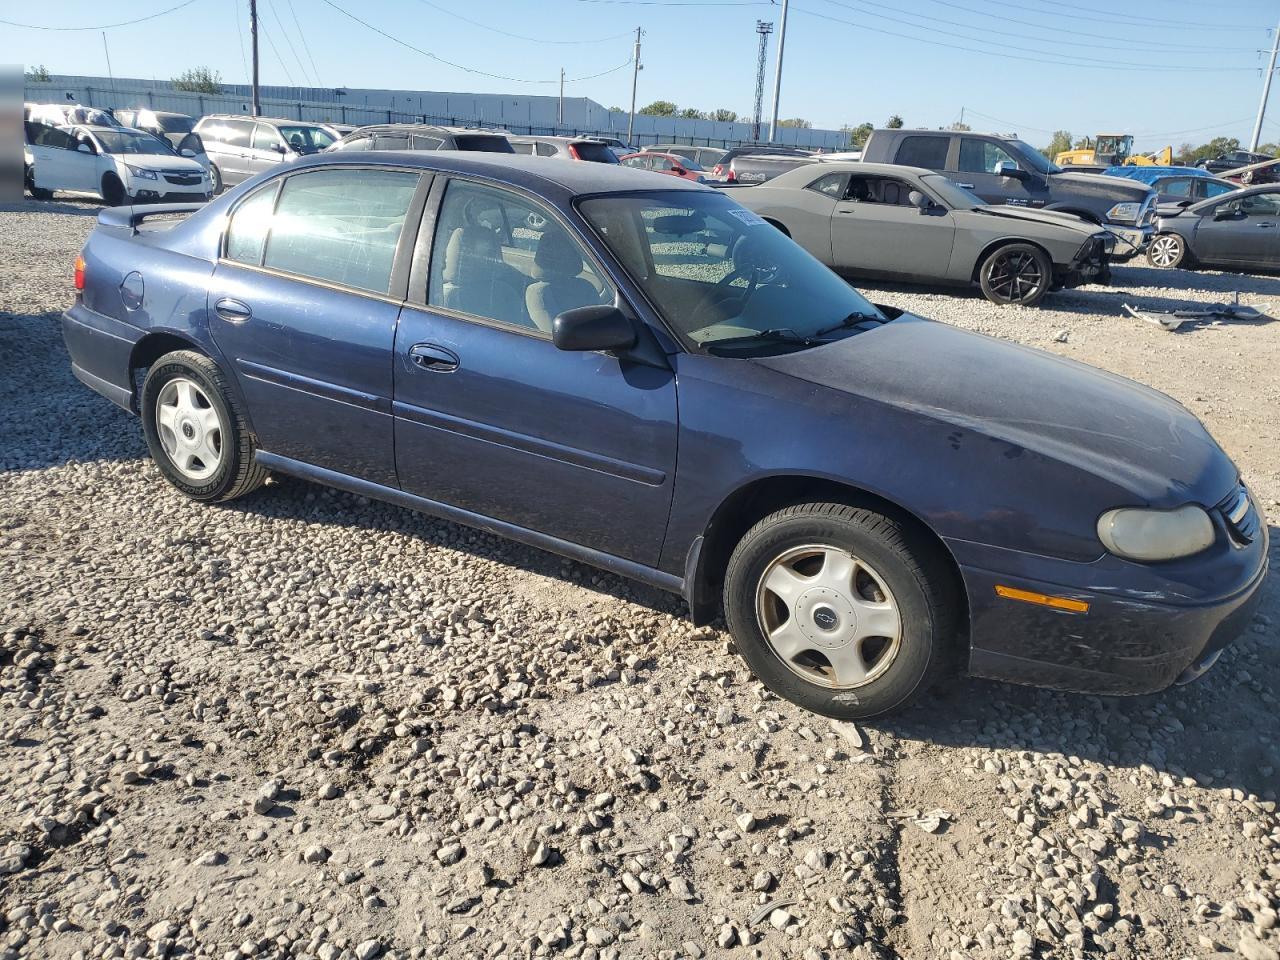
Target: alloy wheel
x=828, y=616
x=1015, y=276
x=189, y=428
x=1165, y=251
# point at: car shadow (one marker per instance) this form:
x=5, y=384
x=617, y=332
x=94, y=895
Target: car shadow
x=74, y=206
x=1217, y=729
x=1137, y=277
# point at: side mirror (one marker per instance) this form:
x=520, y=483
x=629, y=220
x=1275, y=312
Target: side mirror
x=678, y=170
x=279, y=148
x=85, y=148
x=602, y=327
x=919, y=200
x=1007, y=168
x=1225, y=212
x=187, y=152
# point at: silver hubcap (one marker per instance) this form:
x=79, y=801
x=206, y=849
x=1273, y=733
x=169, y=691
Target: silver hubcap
x=828, y=616
x=189, y=429
x=1164, y=251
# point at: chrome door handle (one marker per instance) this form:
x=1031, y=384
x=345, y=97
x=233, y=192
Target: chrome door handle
x=437, y=359
x=232, y=311
x=1266, y=226
x=967, y=186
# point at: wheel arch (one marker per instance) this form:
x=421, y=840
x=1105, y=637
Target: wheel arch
x=156, y=344
x=995, y=245
x=778, y=225
x=741, y=509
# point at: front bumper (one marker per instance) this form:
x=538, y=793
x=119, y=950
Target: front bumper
x=1092, y=264
x=1130, y=240
x=1146, y=627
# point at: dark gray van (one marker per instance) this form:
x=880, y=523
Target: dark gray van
x=1004, y=170
x=240, y=147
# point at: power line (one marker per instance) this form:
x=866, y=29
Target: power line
x=1013, y=125
x=305, y=46
x=683, y=3
x=240, y=33
x=1002, y=16
x=1092, y=44
x=459, y=66
x=519, y=36
x=1108, y=15
x=279, y=59
x=289, y=42
x=1013, y=56
x=101, y=26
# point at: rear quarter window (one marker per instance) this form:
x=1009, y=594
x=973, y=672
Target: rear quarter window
x=596, y=153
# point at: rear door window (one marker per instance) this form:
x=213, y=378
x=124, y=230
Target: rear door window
x=421, y=141
x=1177, y=187
x=927, y=152
x=234, y=133
x=597, y=152
x=483, y=143
x=341, y=226
x=247, y=234
x=391, y=141
x=546, y=150
x=266, y=138
x=526, y=148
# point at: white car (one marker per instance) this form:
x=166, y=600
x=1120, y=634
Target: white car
x=119, y=165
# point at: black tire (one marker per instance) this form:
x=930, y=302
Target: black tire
x=238, y=472
x=113, y=194
x=215, y=179
x=29, y=181
x=919, y=583
x=1167, y=251
x=1016, y=274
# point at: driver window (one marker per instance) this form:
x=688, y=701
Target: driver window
x=499, y=256
x=1260, y=205
x=266, y=138
x=881, y=190
x=981, y=156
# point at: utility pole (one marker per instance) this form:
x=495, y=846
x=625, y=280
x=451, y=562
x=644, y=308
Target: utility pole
x=762, y=55
x=777, y=72
x=1266, y=90
x=560, y=114
x=253, y=34
x=635, y=79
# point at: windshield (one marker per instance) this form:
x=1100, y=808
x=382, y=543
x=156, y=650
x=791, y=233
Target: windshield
x=724, y=279
x=1033, y=157
x=306, y=139
x=176, y=124
x=128, y=141
x=952, y=194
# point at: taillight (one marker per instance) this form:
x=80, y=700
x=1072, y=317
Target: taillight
x=573, y=152
x=717, y=170
x=79, y=272
x=732, y=177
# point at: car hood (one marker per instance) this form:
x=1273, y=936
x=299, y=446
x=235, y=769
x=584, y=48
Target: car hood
x=1055, y=217
x=1132, y=436
x=160, y=164
x=1098, y=184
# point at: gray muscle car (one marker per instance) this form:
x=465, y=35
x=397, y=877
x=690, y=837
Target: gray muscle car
x=906, y=223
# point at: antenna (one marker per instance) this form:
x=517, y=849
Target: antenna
x=763, y=29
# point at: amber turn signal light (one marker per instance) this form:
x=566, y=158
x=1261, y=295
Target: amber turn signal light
x=1030, y=596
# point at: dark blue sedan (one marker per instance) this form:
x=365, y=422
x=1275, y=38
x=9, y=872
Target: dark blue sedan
x=638, y=373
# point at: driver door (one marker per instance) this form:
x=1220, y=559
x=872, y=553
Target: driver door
x=1249, y=233
x=876, y=229
x=976, y=164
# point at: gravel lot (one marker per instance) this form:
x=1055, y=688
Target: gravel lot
x=309, y=725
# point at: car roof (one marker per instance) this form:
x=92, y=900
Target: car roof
x=241, y=116
x=535, y=139
x=857, y=166
x=428, y=127
x=547, y=176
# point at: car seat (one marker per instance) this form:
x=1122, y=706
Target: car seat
x=557, y=286
x=476, y=279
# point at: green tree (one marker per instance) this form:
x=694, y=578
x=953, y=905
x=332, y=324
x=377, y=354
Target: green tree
x=39, y=74
x=1214, y=148
x=800, y=122
x=617, y=110
x=199, y=80
x=858, y=135
x=894, y=122
x=724, y=116
x=692, y=113
x=1059, y=143
x=1270, y=149
x=659, y=108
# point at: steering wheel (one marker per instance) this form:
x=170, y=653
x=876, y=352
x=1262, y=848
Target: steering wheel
x=750, y=260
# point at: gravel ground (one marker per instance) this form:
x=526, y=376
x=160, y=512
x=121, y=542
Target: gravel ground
x=310, y=725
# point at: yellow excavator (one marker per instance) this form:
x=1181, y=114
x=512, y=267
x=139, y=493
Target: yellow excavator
x=1113, y=150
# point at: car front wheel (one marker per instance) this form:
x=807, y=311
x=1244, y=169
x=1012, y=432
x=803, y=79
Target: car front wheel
x=1168, y=250
x=195, y=432
x=215, y=179
x=844, y=611
x=1016, y=274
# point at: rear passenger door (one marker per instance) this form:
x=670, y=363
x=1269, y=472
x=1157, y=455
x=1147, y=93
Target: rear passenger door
x=491, y=417
x=303, y=304
x=227, y=143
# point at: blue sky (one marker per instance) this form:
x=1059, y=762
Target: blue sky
x=1151, y=68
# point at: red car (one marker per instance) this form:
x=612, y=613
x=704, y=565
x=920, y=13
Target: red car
x=669, y=163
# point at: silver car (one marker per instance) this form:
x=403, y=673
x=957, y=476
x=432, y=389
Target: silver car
x=906, y=223
x=241, y=147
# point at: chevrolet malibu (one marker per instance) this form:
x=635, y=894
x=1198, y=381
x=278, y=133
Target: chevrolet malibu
x=633, y=371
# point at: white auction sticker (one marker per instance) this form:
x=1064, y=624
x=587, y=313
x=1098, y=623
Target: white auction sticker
x=748, y=217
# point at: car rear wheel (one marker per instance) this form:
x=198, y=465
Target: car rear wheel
x=196, y=434
x=113, y=194
x=1167, y=250
x=1016, y=274
x=844, y=611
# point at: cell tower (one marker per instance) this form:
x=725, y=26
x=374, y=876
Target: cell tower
x=764, y=29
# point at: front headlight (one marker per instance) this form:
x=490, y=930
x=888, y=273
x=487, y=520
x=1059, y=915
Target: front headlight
x=140, y=173
x=1153, y=535
x=1124, y=212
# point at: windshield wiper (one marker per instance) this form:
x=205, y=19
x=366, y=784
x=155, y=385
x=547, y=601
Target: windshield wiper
x=852, y=320
x=771, y=335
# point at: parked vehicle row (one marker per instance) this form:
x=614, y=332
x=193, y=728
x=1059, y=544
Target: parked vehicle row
x=521, y=344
